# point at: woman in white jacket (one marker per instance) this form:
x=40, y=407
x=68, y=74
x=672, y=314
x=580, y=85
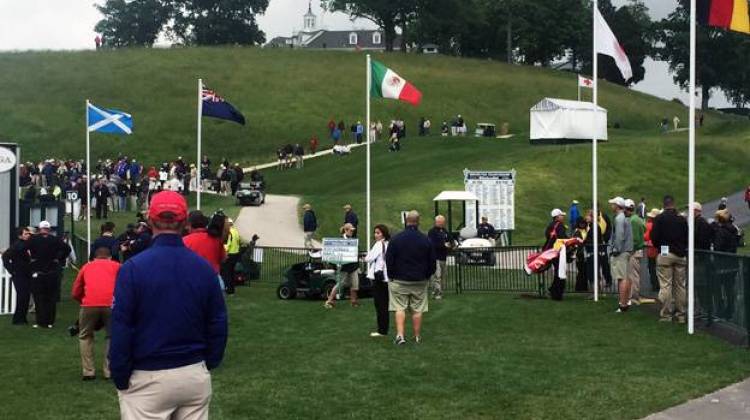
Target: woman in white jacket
x=377, y=272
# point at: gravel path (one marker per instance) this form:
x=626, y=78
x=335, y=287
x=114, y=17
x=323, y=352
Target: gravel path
x=276, y=222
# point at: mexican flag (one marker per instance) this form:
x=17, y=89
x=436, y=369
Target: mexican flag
x=387, y=84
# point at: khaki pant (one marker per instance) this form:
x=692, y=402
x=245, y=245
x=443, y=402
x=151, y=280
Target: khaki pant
x=634, y=274
x=89, y=319
x=438, y=279
x=182, y=393
x=670, y=269
x=408, y=296
x=309, y=240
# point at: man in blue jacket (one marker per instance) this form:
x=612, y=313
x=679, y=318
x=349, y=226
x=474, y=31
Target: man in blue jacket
x=410, y=260
x=169, y=323
x=309, y=225
x=351, y=217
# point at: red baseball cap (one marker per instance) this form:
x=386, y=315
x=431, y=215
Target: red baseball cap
x=168, y=201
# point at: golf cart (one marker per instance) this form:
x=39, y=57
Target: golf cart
x=251, y=193
x=485, y=130
x=472, y=250
x=315, y=279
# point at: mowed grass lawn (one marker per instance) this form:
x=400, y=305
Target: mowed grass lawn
x=483, y=356
x=632, y=164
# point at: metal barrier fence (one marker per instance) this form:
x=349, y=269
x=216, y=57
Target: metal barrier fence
x=7, y=292
x=80, y=250
x=502, y=269
x=476, y=270
x=722, y=287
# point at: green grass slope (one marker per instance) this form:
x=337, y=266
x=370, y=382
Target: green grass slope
x=631, y=164
x=286, y=96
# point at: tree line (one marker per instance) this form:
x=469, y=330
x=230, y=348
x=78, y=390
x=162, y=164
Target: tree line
x=532, y=32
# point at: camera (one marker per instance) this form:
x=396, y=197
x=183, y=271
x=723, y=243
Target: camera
x=73, y=330
x=216, y=224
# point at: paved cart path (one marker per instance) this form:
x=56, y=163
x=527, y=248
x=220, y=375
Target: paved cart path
x=276, y=222
x=736, y=205
x=730, y=403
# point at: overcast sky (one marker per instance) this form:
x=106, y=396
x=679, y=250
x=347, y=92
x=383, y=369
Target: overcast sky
x=68, y=25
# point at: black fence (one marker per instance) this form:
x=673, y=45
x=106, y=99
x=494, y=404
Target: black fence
x=722, y=290
x=475, y=270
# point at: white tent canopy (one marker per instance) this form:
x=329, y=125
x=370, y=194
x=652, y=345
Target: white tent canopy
x=456, y=196
x=553, y=119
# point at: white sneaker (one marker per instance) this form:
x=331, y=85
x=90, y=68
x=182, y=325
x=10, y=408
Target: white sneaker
x=35, y=326
x=377, y=334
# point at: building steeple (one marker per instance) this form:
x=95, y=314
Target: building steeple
x=309, y=19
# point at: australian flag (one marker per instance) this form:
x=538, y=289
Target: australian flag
x=215, y=106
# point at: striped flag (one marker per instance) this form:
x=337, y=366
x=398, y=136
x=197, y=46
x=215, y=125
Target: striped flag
x=726, y=14
x=387, y=84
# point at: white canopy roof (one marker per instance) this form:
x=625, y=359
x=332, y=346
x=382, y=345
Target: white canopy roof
x=456, y=196
x=553, y=104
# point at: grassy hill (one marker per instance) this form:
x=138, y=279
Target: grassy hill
x=286, y=96
x=631, y=164
x=289, y=95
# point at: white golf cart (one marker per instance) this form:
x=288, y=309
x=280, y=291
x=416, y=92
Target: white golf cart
x=464, y=238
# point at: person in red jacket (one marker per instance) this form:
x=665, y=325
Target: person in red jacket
x=651, y=251
x=93, y=288
x=747, y=196
x=200, y=241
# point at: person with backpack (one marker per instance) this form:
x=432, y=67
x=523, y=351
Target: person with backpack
x=555, y=230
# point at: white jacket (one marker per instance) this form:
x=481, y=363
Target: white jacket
x=376, y=260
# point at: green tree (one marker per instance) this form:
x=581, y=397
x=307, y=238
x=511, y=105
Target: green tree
x=132, y=23
x=218, y=22
x=387, y=14
x=717, y=57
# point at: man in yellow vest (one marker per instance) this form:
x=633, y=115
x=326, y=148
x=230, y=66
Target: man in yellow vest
x=232, y=246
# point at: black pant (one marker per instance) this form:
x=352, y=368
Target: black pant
x=101, y=209
x=380, y=296
x=234, y=186
x=44, y=289
x=23, y=294
x=557, y=289
x=652, y=274
x=227, y=272
x=603, y=266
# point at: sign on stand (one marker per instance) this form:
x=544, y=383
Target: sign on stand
x=495, y=191
x=340, y=250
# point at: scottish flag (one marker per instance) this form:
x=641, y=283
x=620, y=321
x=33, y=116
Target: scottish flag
x=111, y=121
x=215, y=106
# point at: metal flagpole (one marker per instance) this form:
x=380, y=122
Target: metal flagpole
x=578, y=82
x=594, y=177
x=199, y=167
x=691, y=175
x=88, y=182
x=367, y=128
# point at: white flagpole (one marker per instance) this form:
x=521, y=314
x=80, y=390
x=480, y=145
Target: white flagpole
x=691, y=175
x=367, y=129
x=594, y=163
x=198, y=165
x=88, y=183
x=578, y=83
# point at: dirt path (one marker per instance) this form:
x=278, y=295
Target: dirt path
x=275, y=222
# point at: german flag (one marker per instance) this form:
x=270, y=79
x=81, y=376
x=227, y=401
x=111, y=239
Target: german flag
x=727, y=14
